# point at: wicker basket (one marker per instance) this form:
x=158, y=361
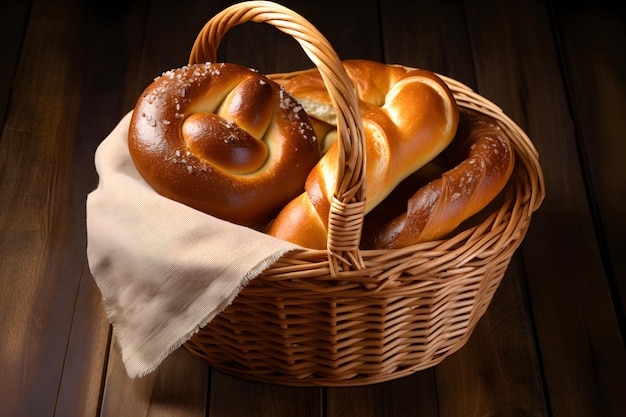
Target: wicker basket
x=344, y=316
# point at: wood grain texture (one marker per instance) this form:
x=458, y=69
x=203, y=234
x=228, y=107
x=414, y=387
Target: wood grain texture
x=106, y=28
x=41, y=267
x=428, y=35
x=269, y=50
x=498, y=372
x=414, y=395
x=176, y=388
x=592, y=36
x=13, y=22
x=231, y=396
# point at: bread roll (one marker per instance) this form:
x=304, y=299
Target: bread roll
x=409, y=116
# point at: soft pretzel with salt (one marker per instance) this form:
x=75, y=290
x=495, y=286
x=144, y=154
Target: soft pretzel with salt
x=409, y=116
x=483, y=160
x=223, y=139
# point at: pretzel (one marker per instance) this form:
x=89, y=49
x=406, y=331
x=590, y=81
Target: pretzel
x=222, y=139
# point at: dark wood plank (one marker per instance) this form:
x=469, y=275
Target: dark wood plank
x=363, y=401
x=175, y=389
x=352, y=26
x=112, y=39
x=13, y=21
x=232, y=396
x=577, y=333
x=428, y=35
x=84, y=368
x=42, y=264
x=269, y=50
x=414, y=395
x=593, y=37
x=497, y=372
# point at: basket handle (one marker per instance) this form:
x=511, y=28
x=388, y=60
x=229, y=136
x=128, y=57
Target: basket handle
x=348, y=204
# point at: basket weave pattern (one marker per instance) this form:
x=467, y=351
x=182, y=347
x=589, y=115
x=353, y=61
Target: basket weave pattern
x=345, y=316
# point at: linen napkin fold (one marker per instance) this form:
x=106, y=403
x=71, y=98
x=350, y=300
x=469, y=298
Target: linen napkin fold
x=164, y=270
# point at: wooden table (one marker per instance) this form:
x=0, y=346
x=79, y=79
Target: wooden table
x=552, y=341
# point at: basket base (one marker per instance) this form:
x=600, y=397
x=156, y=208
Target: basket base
x=298, y=377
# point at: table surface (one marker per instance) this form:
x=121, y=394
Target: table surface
x=552, y=340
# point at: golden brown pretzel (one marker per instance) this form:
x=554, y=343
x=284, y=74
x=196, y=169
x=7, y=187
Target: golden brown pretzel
x=409, y=116
x=484, y=160
x=222, y=139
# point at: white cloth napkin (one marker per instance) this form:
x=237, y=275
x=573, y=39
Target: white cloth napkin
x=164, y=270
